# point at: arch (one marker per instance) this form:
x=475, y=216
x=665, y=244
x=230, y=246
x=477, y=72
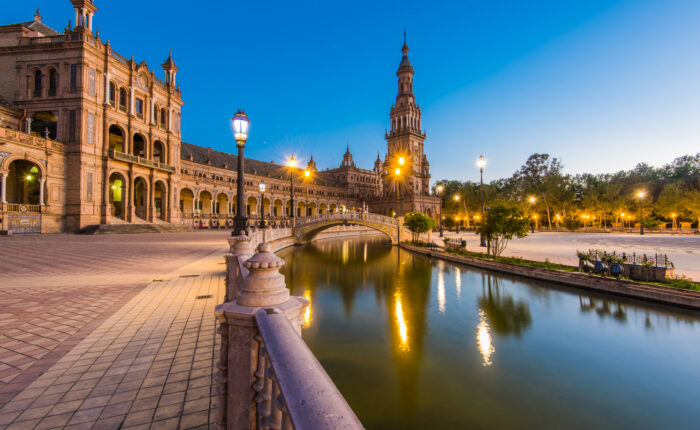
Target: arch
x=116, y=138
x=159, y=153
x=43, y=121
x=277, y=208
x=251, y=206
x=266, y=206
x=333, y=208
x=163, y=118
x=160, y=199
x=38, y=78
x=112, y=94
x=312, y=209
x=352, y=208
x=123, y=97
x=322, y=208
x=205, y=202
x=117, y=195
x=221, y=206
x=23, y=182
x=141, y=198
x=186, y=201
x=300, y=209
x=53, y=82
x=307, y=232
x=139, y=145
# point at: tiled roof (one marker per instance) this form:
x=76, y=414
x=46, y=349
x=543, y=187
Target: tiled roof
x=37, y=26
x=208, y=156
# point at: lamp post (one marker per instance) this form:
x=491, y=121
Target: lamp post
x=240, y=124
x=439, y=190
x=481, y=163
x=292, y=163
x=622, y=218
x=307, y=178
x=532, y=203
x=640, y=196
x=457, y=200
x=262, y=204
x=398, y=198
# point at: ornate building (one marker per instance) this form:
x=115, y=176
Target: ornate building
x=90, y=137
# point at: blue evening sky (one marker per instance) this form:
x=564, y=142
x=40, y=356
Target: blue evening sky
x=603, y=85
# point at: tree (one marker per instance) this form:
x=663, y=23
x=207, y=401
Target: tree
x=670, y=202
x=541, y=175
x=418, y=223
x=692, y=204
x=503, y=222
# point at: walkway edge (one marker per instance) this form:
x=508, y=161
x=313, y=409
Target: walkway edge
x=619, y=287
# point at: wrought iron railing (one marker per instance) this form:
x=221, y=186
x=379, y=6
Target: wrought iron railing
x=140, y=160
x=346, y=216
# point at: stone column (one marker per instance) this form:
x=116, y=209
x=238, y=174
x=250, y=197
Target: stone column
x=42, y=181
x=262, y=287
x=3, y=189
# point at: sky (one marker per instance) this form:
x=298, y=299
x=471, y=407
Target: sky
x=603, y=85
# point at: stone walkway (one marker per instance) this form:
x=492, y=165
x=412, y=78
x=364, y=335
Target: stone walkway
x=140, y=357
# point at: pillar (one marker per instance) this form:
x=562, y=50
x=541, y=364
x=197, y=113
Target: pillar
x=107, y=87
x=3, y=189
x=42, y=181
x=132, y=100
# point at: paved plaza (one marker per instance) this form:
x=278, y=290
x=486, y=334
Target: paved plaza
x=109, y=331
x=683, y=250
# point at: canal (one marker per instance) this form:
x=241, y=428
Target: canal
x=418, y=343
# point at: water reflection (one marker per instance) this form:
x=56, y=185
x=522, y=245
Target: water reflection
x=401, y=323
x=441, y=287
x=483, y=338
x=458, y=283
x=307, y=313
x=505, y=315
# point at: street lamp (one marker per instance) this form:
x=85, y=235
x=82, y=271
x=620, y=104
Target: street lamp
x=398, y=175
x=292, y=163
x=240, y=124
x=532, y=202
x=622, y=218
x=481, y=163
x=307, y=178
x=439, y=190
x=262, y=204
x=673, y=217
x=640, y=196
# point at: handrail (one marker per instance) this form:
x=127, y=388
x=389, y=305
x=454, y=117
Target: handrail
x=140, y=160
x=294, y=391
x=347, y=216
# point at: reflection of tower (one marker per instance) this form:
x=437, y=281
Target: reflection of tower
x=405, y=138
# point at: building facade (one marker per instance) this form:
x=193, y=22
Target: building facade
x=90, y=137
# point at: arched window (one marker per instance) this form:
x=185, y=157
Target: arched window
x=122, y=99
x=163, y=118
x=112, y=94
x=38, y=77
x=156, y=110
x=53, y=82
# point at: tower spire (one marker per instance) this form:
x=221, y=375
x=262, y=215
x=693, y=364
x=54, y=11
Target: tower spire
x=404, y=49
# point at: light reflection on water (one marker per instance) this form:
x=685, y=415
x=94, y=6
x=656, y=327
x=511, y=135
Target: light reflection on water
x=412, y=345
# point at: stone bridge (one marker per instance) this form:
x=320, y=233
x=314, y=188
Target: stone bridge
x=305, y=228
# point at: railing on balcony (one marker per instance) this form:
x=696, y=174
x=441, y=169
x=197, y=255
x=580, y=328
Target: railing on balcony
x=119, y=57
x=141, y=161
x=20, y=208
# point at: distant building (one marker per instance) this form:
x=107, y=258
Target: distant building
x=88, y=137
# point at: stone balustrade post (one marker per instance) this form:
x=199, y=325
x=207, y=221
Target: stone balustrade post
x=258, y=285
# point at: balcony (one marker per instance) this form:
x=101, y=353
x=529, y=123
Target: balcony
x=140, y=161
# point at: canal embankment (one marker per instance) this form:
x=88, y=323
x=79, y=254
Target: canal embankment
x=619, y=287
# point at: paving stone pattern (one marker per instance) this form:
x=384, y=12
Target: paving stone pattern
x=123, y=356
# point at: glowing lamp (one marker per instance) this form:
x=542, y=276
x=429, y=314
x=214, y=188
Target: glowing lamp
x=240, y=124
x=401, y=161
x=307, y=173
x=398, y=172
x=292, y=162
x=262, y=188
x=481, y=162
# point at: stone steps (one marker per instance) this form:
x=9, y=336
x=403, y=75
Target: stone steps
x=135, y=228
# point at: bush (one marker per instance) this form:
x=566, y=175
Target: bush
x=418, y=223
x=502, y=223
x=683, y=282
x=572, y=224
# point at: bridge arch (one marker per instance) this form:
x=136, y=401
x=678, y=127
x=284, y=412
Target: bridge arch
x=307, y=228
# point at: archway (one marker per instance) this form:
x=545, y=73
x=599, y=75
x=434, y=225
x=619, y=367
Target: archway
x=312, y=210
x=251, y=206
x=266, y=207
x=43, y=121
x=205, y=203
x=221, y=204
x=301, y=209
x=117, y=195
x=159, y=154
x=23, y=183
x=160, y=200
x=186, y=201
x=116, y=139
x=141, y=198
x=333, y=209
x=139, y=146
x=352, y=209
x=321, y=208
x=307, y=232
x=277, y=208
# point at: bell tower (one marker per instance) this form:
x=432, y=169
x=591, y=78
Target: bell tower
x=405, y=138
x=84, y=13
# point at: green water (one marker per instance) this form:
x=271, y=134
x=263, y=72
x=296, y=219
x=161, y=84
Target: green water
x=415, y=343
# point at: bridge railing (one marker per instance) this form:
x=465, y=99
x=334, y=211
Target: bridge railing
x=347, y=216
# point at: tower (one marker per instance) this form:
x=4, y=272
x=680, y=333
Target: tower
x=170, y=69
x=347, y=159
x=405, y=139
x=84, y=12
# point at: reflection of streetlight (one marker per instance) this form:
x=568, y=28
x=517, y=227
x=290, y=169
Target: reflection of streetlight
x=241, y=124
x=640, y=196
x=481, y=163
x=401, y=323
x=483, y=338
x=439, y=190
x=262, y=204
x=307, y=312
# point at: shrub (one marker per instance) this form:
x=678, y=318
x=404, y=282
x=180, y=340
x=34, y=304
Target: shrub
x=418, y=223
x=683, y=282
x=501, y=224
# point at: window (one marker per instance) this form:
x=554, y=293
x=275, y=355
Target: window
x=155, y=115
x=73, y=78
x=88, y=188
x=163, y=118
x=53, y=82
x=122, y=99
x=139, y=108
x=112, y=94
x=91, y=82
x=91, y=129
x=72, y=119
x=37, y=83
